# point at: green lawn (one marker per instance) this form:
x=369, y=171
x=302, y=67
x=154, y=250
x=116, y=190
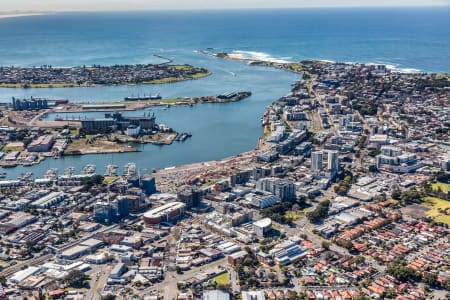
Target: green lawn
x=13, y=147
x=176, y=79
x=200, y=75
x=295, y=215
x=181, y=67
x=439, y=209
x=109, y=179
x=171, y=100
x=222, y=279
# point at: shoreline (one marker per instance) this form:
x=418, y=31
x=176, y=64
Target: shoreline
x=19, y=15
x=74, y=85
x=190, y=169
x=98, y=75
x=274, y=63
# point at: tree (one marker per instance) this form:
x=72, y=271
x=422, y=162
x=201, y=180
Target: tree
x=76, y=279
x=401, y=272
x=271, y=276
x=325, y=245
x=320, y=212
x=373, y=168
x=431, y=280
x=396, y=194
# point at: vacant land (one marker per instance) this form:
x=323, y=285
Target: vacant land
x=82, y=146
x=222, y=279
x=415, y=211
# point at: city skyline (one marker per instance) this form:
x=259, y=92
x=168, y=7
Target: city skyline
x=116, y=5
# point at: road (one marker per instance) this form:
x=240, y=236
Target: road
x=98, y=283
x=169, y=285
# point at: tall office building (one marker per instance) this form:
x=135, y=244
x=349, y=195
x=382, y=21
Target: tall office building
x=190, y=196
x=333, y=161
x=111, y=212
x=282, y=188
x=316, y=161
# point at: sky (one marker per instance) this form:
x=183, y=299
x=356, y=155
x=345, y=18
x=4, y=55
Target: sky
x=111, y=5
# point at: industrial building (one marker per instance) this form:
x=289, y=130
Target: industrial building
x=29, y=104
x=119, y=122
x=237, y=257
x=49, y=200
x=43, y=143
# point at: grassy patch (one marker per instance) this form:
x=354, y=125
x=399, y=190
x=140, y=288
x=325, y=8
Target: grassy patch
x=176, y=79
x=163, y=80
x=109, y=179
x=181, y=67
x=201, y=75
x=222, y=279
x=439, y=209
x=10, y=147
x=445, y=187
x=297, y=66
x=295, y=215
x=170, y=100
x=267, y=131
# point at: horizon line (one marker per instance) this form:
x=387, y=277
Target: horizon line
x=11, y=12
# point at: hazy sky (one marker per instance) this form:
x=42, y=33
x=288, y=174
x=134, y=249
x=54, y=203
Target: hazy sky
x=71, y=5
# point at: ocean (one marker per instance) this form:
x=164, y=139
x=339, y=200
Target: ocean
x=406, y=39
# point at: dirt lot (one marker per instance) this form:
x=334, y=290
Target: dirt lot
x=415, y=211
x=97, y=146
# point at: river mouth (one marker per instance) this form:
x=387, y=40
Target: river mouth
x=219, y=130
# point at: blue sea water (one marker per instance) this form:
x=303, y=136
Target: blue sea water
x=408, y=39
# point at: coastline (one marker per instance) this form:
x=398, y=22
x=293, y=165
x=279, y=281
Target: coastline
x=97, y=75
x=7, y=16
x=74, y=85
